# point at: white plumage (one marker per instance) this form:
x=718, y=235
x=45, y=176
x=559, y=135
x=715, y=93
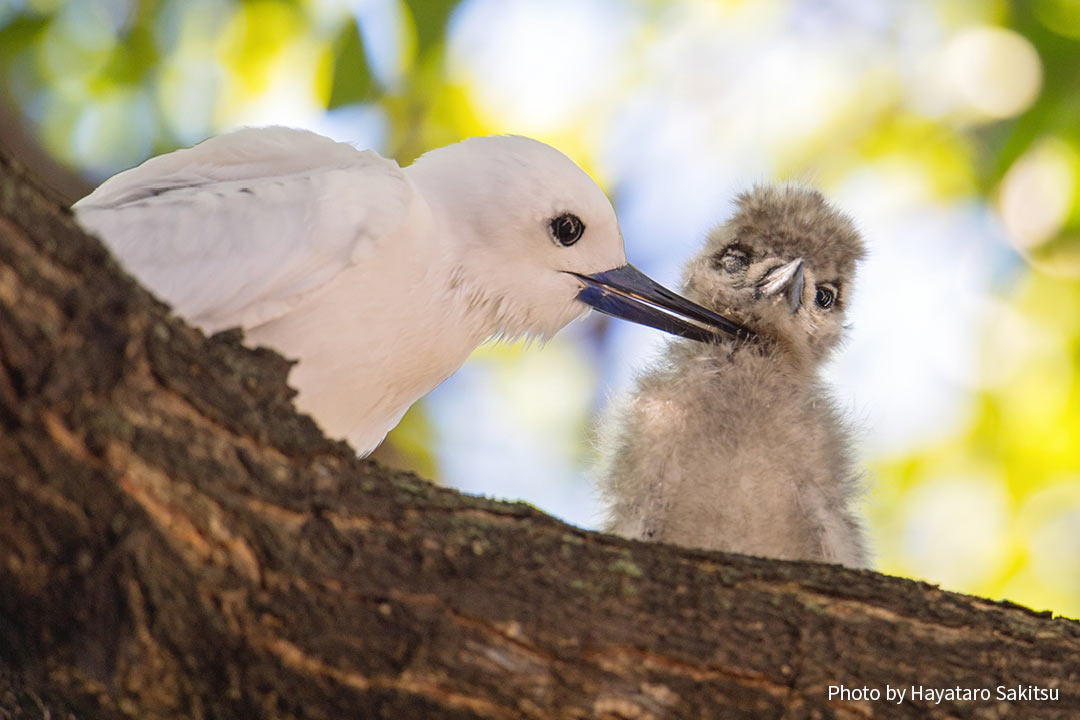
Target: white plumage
x=285, y=220
x=379, y=280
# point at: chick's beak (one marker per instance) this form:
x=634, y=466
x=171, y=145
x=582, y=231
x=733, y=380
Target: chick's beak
x=787, y=277
x=625, y=292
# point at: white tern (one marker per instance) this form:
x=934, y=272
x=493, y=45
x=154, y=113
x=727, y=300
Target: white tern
x=378, y=280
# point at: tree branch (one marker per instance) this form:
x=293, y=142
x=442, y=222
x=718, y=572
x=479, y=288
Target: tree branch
x=176, y=541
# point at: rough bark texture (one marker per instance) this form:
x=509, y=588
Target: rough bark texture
x=175, y=541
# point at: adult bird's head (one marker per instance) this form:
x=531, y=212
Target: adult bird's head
x=783, y=265
x=536, y=242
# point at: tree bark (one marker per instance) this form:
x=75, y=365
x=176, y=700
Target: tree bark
x=176, y=541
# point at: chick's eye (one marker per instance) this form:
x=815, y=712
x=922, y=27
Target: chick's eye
x=824, y=297
x=733, y=260
x=567, y=229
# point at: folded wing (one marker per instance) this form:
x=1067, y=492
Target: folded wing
x=238, y=229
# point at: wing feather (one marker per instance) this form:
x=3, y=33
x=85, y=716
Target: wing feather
x=237, y=229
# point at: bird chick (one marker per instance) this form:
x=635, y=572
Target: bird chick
x=736, y=445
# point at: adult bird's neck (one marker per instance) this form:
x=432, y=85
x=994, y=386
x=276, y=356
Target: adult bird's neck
x=459, y=198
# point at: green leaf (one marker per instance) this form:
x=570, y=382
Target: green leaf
x=430, y=18
x=19, y=34
x=353, y=81
x=133, y=57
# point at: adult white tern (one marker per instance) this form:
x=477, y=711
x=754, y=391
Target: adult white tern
x=379, y=280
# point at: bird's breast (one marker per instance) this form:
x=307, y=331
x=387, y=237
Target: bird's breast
x=372, y=342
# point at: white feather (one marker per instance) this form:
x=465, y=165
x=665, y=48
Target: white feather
x=291, y=210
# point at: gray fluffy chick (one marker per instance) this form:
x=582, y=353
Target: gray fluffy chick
x=737, y=445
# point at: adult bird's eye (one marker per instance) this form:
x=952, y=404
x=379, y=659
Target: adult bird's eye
x=567, y=229
x=824, y=297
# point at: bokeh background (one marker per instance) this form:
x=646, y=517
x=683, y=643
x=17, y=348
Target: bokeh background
x=949, y=129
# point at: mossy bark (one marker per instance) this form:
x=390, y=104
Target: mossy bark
x=176, y=541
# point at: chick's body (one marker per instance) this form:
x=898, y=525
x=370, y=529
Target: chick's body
x=737, y=446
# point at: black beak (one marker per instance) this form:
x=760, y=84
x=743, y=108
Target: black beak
x=625, y=292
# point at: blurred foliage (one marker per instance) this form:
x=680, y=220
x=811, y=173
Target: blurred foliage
x=1022, y=446
x=1018, y=462
x=993, y=508
x=109, y=82
x=353, y=82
